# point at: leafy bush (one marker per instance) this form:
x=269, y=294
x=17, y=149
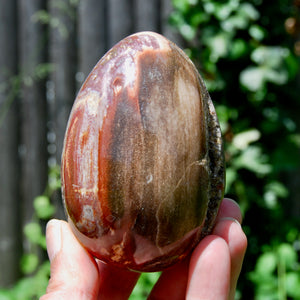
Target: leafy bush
x=246, y=58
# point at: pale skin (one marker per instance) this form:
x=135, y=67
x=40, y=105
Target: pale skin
x=211, y=272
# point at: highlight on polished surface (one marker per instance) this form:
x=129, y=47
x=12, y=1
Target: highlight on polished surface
x=142, y=164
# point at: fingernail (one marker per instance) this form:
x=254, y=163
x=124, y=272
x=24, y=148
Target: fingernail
x=233, y=201
x=230, y=219
x=53, y=238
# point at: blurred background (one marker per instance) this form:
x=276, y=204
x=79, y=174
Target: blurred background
x=248, y=52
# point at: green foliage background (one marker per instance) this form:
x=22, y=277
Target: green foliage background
x=248, y=60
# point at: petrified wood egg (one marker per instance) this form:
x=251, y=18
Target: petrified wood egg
x=142, y=164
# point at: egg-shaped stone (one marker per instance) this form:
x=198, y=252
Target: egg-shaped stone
x=142, y=164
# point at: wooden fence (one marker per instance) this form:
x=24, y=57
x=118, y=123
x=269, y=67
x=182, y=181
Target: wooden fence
x=47, y=49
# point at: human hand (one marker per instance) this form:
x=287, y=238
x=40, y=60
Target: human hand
x=211, y=272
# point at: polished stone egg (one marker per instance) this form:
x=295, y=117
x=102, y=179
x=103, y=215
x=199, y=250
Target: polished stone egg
x=142, y=164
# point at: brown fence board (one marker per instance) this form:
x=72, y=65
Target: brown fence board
x=91, y=34
x=147, y=15
x=63, y=55
x=63, y=58
x=119, y=20
x=32, y=49
x=10, y=242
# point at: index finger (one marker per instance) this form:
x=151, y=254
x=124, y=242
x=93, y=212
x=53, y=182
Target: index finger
x=229, y=209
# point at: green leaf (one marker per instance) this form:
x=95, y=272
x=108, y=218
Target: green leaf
x=248, y=11
x=198, y=18
x=42, y=279
x=43, y=208
x=270, y=199
x=41, y=16
x=257, y=32
x=277, y=188
x=270, y=56
x=295, y=139
x=210, y=7
x=54, y=178
x=277, y=77
x=144, y=285
x=181, y=5
x=187, y=31
x=29, y=263
x=292, y=282
x=238, y=49
x=176, y=19
x=223, y=11
x=287, y=255
x=253, y=78
x=243, y=139
x=25, y=288
x=6, y=295
x=292, y=235
x=33, y=232
x=43, y=70
x=219, y=46
x=252, y=159
x=266, y=264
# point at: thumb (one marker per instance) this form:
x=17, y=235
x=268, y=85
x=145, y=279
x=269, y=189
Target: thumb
x=74, y=273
